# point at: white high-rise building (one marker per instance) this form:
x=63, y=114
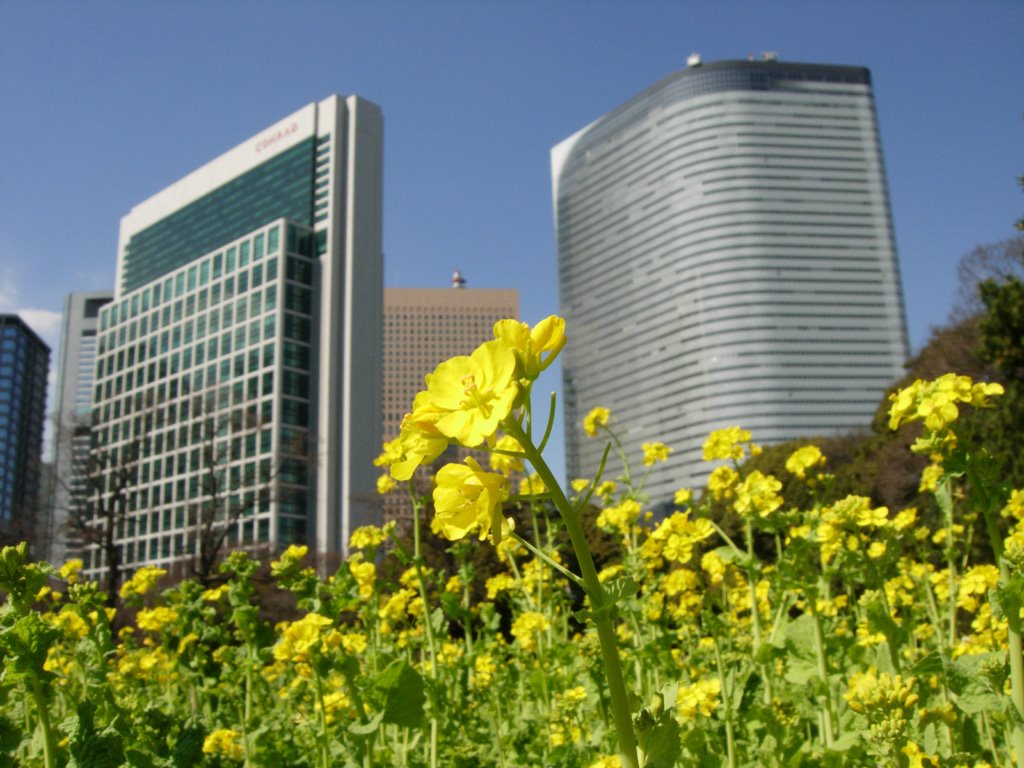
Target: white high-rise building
x=72, y=416
x=239, y=364
x=726, y=257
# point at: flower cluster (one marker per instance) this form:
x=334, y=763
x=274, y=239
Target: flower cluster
x=465, y=403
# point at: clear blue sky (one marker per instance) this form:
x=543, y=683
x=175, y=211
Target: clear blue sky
x=105, y=103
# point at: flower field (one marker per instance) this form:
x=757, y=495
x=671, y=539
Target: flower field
x=837, y=634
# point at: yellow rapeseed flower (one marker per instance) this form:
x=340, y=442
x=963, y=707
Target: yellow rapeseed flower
x=224, y=742
x=71, y=569
x=527, y=626
x=467, y=498
x=535, y=349
x=726, y=443
x=468, y=396
x=721, y=482
x=503, y=463
x=419, y=442
x=302, y=637
x=143, y=581
x=155, y=619
x=385, y=485
x=698, y=699
x=804, y=459
x=683, y=497
x=367, y=536
x=757, y=494
x=598, y=417
x=655, y=452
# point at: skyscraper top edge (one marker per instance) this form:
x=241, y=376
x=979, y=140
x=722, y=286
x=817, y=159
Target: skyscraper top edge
x=14, y=319
x=271, y=141
x=772, y=71
x=262, y=146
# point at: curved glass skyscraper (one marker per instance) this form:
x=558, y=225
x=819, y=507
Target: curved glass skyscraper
x=726, y=257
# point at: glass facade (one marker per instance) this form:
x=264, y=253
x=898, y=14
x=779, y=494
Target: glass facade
x=205, y=376
x=726, y=256
x=24, y=366
x=279, y=188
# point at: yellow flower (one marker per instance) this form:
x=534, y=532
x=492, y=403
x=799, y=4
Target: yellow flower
x=468, y=396
x=71, y=569
x=803, y=459
x=726, y=444
x=579, y=485
x=155, y=619
x=368, y=536
x=224, y=742
x=699, y=699
x=904, y=519
x=484, y=669
x=1014, y=507
x=655, y=452
x=606, y=488
x=391, y=453
x=598, y=417
x=467, y=498
x=532, y=485
x=504, y=463
x=215, y=594
x=683, y=497
x=365, y=575
x=534, y=349
x=291, y=556
x=930, y=478
x=870, y=692
x=934, y=402
x=876, y=549
x=873, y=518
x=620, y=517
x=142, y=581
x=419, y=441
x=721, y=482
x=302, y=637
x=758, y=493
x=527, y=626
x=385, y=484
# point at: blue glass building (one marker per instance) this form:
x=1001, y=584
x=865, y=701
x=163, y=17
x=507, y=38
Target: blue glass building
x=24, y=367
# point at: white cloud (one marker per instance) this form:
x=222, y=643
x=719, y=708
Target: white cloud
x=45, y=323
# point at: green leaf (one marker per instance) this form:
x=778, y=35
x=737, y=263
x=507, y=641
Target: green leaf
x=188, y=749
x=967, y=679
x=400, y=688
x=370, y=726
x=928, y=665
x=620, y=588
x=662, y=746
x=846, y=742
x=1007, y=600
x=90, y=748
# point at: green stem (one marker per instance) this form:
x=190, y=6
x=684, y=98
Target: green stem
x=49, y=737
x=418, y=562
x=819, y=650
x=325, y=753
x=730, y=738
x=1016, y=677
x=549, y=561
x=602, y=612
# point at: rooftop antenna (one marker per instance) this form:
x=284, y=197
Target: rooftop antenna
x=458, y=281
